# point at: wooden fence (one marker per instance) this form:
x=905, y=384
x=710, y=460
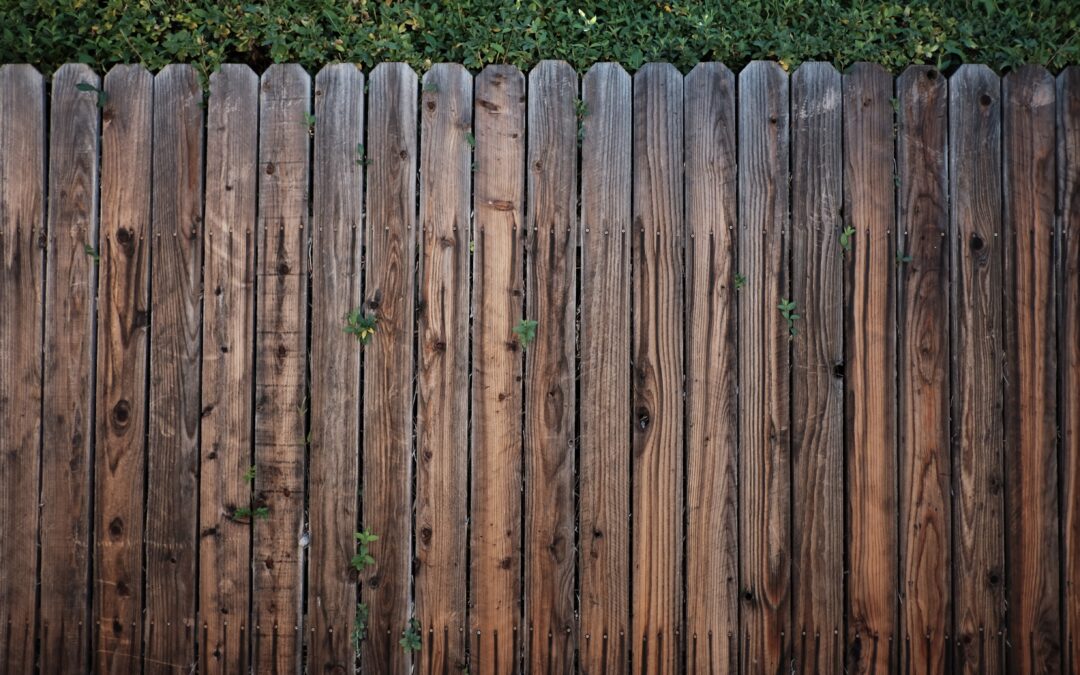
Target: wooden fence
x=804, y=392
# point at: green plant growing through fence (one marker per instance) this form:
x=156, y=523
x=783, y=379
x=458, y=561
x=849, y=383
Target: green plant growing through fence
x=309, y=120
x=93, y=253
x=102, y=97
x=902, y=258
x=363, y=558
x=845, y=238
x=525, y=332
x=410, y=636
x=249, y=475
x=787, y=310
x=361, y=324
x=361, y=155
x=251, y=513
x=581, y=110
x=431, y=87
x=740, y=281
x=360, y=622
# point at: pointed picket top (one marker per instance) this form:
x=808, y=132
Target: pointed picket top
x=758, y=70
x=449, y=74
x=909, y=79
x=1029, y=86
x=707, y=71
x=815, y=90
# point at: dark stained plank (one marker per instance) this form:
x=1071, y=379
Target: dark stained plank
x=122, y=343
x=281, y=397
x=550, y=392
x=817, y=386
x=976, y=268
x=333, y=468
x=442, y=424
x=922, y=262
x=712, y=563
x=175, y=354
x=388, y=362
x=227, y=370
x=22, y=266
x=1068, y=174
x=1030, y=368
x=870, y=218
x=657, y=374
x=764, y=413
x=498, y=306
x=604, y=387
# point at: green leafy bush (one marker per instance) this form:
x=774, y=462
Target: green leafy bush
x=1002, y=33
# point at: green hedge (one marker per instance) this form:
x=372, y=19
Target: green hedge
x=1002, y=34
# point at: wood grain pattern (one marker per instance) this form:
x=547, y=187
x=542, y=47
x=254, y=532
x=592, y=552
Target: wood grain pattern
x=1030, y=365
x=976, y=267
x=228, y=337
x=550, y=392
x=764, y=387
x=123, y=322
x=712, y=563
x=442, y=424
x=281, y=396
x=604, y=386
x=175, y=357
x=333, y=467
x=870, y=217
x=922, y=260
x=22, y=266
x=388, y=365
x=498, y=306
x=1068, y=251
x=657, y=374
x=817, y=385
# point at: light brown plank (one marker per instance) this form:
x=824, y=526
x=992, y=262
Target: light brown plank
x=604, y=341
x=334, y=470
x=976, y=266
x=122, y=343
x=712, y=564
x=817, y=415
x=388, y=363
x=1030, y=367
x=281, y=397
x=657, y=344
x=498, y=290
x=175, y=354
x=442, y=425
x=22, y=265
x=227, y=370
x=870, y=210
x=764, y=387
x=551, y=270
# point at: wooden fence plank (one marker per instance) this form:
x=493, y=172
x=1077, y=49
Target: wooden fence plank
x=764, y=414
x=870, y=224
x=22, y=265
x=442, y=424
x=657, y=344
x=604, y=346
x=228, y=413
x=712, y=563
x=1068, y=174
x=334, y=441
x=817, y=415
x=922, y=260
x=550, y=429
x=388, y=365
x=1030, y=365
x=975, y=189
x=175, y=356
x=281, y=397
x=124, y=304
x=498, y=306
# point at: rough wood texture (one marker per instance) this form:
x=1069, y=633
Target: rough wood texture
x=22, y=246
x=976, y=265
x=817, y=414
x=1030, y=367
x=922, y=261
x=498, y=306
x=604, y=347
x=123, y=322
x=1068, y=251
x=764, y=413
x=227, y=370
x=389, y=293
x=281, y=396
x=442, y=424
x=870, y=220
x=712, y=560
x=175, y=358
x=334, y=441
x=550, y=434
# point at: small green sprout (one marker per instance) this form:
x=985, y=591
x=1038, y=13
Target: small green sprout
x=102, y=97
x=361, y=155
x=361, y=324
x=93, y=253
x=787, y=310
x=249, y=475
x=845, y=238
x=309, y=120
x=410, y=637
x=740, y=281
x=359, y=631
x=525, y=332
x=363, y=558
x=470, y=139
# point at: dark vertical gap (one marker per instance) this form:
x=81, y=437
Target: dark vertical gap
x=900, y=276
x=1008, y=310
x=253, y=628
x=471, y=234
x=682, y=631
x=204, y=106
x=953, y=256
x=734, y=645
x=361, y=272
x=523, y=229
x=577, y=231
x=148, y=365
x=846, y=433
x=787, y=283
x=1060, y=259
x=418, y=310
x=306, y=234
x=630, y=252
x=892, y=297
